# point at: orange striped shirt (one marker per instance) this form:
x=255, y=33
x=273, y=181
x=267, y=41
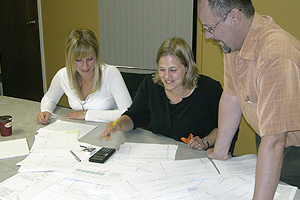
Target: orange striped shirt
x=264, y=75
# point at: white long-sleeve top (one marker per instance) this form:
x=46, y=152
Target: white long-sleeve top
x=104, y=105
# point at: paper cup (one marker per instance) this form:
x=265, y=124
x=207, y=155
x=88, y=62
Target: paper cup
x=5, y=125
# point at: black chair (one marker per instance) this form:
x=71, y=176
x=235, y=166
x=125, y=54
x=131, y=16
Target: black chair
x=133, y=77
x=133, y=81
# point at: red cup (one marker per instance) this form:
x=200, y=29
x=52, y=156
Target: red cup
x=5, y=125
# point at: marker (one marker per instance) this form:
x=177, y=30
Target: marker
x=76, y=157
x=186, y=140
x=113, y=125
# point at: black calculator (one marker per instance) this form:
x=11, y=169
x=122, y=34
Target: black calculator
x=102, y=155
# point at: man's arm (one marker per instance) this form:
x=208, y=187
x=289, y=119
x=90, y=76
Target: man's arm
x=269, y=163
x=230, y=115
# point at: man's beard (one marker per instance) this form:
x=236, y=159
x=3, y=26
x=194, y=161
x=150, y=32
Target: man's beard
x=225, y=48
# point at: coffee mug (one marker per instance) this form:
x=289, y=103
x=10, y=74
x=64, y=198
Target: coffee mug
x=6, y=125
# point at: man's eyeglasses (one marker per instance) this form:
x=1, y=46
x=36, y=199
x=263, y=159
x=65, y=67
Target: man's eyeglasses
x=211, y=28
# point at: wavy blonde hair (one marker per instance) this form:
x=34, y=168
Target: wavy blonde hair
x=178, y=48
x=79, y=44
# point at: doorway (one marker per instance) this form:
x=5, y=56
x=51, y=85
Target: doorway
x=20, y=57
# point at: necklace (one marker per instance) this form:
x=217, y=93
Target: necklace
x=85, y=87
x=84, y=90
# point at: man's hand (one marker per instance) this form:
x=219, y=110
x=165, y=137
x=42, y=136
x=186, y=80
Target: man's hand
x=211, y=153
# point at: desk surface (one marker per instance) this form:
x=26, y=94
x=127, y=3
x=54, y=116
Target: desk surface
x=24, y=125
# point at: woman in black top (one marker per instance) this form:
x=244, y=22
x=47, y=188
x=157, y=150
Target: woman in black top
x=177, y=99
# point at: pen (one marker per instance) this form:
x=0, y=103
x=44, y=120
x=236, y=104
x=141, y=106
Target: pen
x=76, y=157
x=113, y=125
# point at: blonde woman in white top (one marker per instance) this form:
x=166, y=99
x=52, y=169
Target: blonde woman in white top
x=95, y=91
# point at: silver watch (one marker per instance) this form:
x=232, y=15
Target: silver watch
x=205, y=140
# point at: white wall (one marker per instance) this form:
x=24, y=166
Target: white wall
x=131, y=31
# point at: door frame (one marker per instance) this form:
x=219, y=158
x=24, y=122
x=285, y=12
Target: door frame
x=42, y=45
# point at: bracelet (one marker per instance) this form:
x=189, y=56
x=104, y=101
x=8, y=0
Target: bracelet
x=205, y=140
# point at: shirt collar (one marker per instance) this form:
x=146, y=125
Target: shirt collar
x=248, y=49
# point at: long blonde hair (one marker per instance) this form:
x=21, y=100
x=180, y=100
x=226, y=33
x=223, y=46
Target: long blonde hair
x=178, y=48
x=79, y=44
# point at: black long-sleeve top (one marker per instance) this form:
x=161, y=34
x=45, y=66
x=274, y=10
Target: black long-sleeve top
x=196, y=114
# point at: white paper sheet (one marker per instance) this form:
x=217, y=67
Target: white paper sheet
x=51, y=151
x=137, y=152
x=239, y=174
x=13, y=148
x=224, y=188
x=145, y=186
x=26, y=185
x=59, y=125
x=235, y=188
x=48, y=161
x=48, y=140
x=75, y=189
x=192, y=169
x=167, y=180
x=108, y=173
x=241, y=165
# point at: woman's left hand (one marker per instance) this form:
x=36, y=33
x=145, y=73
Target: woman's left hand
x=197, y=143
x=76, y=115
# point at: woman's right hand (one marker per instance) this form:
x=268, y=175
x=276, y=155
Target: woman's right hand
x=43, y=117
x=109, y=130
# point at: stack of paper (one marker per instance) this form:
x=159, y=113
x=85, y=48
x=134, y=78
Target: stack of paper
x=43, y=169
x=13, y=148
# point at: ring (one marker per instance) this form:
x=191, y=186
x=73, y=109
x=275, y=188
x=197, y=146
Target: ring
x=199, y=145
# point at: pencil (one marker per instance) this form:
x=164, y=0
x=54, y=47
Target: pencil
x=113, y=125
